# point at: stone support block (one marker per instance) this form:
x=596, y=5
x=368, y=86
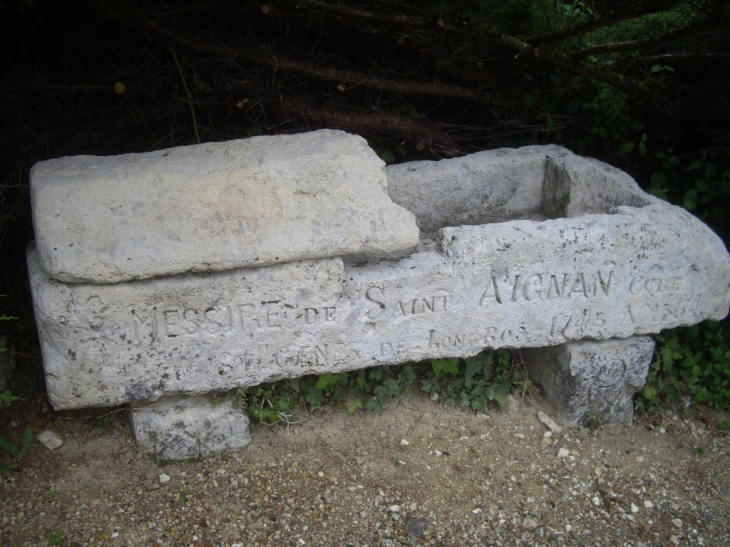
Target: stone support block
x=181, y=428
x=590, y=380
x=214, y=207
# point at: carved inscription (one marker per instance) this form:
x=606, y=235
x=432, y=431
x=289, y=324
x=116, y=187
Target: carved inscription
x=322, y=355
x=655, y=285
x=436, y=302
x=575, y=326
x=274, y=315
x=488, y=337
x=543, y=286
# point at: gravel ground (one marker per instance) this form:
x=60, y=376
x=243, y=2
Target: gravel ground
x=416, y=474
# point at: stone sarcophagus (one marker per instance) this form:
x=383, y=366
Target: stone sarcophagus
x=164, y=277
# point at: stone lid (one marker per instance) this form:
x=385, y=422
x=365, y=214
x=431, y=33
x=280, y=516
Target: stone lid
x=214, y=207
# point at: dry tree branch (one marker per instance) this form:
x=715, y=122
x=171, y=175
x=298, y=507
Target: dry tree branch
x=187, y=94
x=519, y=131
x=632, y=88
x=322, y=73
x=422, y=132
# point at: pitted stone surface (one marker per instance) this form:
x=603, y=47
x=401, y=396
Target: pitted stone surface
x=180, y=428
x=533, y=182
x=517, y=284
x=214, y=207
x=106, y=344
x=595, y=269
x=592, y=380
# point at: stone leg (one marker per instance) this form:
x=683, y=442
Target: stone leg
x=181, y=428
x=592, y=379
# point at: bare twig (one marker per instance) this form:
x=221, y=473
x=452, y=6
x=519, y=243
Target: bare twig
x=422, y=132
x=187, y=94
x=343, y=77
x=632, y=88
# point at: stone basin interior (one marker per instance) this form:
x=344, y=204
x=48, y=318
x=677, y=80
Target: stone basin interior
x=530, y=183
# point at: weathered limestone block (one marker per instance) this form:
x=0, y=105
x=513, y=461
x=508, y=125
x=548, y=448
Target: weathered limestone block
x=214, y=207
x=181, y=428
x=533, y=183
x=592, y=380
x=602, y=270
x=108, y=344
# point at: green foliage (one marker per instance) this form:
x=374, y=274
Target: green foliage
x=55, y=539
x=691, y=361
x=16, y=453
x=183, y=493
x=473, y=382
x=7, y=398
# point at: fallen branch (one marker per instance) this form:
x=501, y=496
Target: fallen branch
x=423, y=134
x=187, y=94
x=632, y=88
x=342, y=77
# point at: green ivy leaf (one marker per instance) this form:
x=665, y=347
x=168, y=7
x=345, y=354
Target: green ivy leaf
x=353, y=405
x=530, y=100
x=449, y=366
x=626, y=147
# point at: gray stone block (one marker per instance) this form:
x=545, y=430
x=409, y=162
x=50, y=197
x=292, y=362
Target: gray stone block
x=590, y=379
x=214, y=207
x=181, y=428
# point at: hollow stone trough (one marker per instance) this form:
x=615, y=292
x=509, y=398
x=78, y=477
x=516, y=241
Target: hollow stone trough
x=160, y=279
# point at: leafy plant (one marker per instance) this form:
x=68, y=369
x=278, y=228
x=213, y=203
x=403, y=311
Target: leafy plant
x=15, y=452
x=7, y=398
x=55, y=539
x=693, y=361
x=183, y=493
x=473, y=382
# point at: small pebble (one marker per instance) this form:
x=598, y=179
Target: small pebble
x=677, y=522
x=404, y=442
x=563, y=453
x=50, y=439
x=634, y=508
x=648, y=504
x=164, y=479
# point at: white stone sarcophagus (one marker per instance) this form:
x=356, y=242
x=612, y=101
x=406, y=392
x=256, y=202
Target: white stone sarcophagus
x=179, y=273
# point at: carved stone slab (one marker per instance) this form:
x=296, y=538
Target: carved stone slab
x=214, y=207
x=599, y=272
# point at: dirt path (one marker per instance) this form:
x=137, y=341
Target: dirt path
x=416, y=474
